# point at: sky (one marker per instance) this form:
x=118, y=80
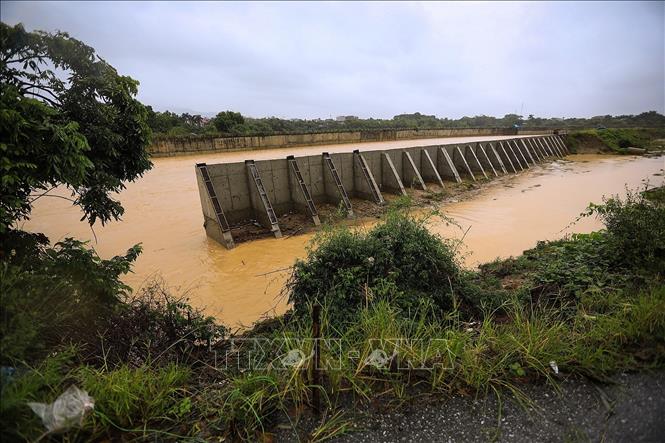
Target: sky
x=375, y=59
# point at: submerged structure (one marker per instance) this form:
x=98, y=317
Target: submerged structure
x=262, y=191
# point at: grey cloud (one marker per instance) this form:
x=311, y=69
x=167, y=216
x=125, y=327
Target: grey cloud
x=299, y=59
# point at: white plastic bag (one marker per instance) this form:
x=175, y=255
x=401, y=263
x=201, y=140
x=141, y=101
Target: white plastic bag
x=66, y=411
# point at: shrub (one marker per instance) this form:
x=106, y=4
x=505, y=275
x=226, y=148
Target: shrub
x=67, y=294
x=399, y=260
x=155, y=325
x=612, y=139
x=636, y=231
x=51, y=295
x=571, y=265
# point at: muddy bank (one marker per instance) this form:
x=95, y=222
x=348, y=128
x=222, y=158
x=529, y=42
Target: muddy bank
x=163, y=213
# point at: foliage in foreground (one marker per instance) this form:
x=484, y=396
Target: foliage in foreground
x=139, y=400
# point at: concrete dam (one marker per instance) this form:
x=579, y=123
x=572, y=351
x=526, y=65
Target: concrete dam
x=235, y=193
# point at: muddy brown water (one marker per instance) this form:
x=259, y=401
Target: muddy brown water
x=162, y=211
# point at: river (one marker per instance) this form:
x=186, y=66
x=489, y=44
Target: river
x=162, y=211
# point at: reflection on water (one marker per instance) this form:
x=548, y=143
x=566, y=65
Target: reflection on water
x=162, y=211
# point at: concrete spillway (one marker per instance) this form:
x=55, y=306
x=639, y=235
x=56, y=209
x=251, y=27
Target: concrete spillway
x=263, y=190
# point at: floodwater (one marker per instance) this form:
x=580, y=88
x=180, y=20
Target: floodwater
x=162, y=211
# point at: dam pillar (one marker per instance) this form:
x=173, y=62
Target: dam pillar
x=540, y=149
x=519, y=151
x=551, y=147
x=460, y=161
x=506, y=157
x=533, y=150
x=411, y=173
x=390, y=179
x=446, y=166
x=545, y=148
x=472, y=160
x=563, y=145
x=552, y=140
x=263, y=209
x=528, y=153
x=481, y=153
x=428, y=168
x=300, y=195
x=513, y=156
x=364, y=183
x=496, y=158
x=555, y=141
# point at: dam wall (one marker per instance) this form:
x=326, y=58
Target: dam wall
x=233, y=194
x=198, y=144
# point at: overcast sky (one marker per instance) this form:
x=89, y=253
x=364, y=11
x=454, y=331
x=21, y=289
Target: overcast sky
x=375, y=59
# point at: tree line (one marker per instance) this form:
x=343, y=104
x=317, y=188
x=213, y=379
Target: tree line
x=229, y=123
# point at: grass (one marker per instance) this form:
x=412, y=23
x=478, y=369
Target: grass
x=142, y=401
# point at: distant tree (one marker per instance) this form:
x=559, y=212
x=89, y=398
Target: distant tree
x=66, y=117
x=225, y=121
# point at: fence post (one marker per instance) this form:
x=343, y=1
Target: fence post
x=316, y=335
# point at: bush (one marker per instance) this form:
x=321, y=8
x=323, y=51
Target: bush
x=572, y=265
x=53, y=295
x=153, y=325
x=636, y=231
x=399, y=260
x=67, y=294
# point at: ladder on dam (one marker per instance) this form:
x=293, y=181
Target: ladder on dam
x=303, y=188
x=338, y=182
x=263, y=195
x=221, y=218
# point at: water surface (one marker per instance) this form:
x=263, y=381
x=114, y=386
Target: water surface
x=162, y=211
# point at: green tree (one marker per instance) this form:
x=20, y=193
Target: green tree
x=225, y=121
x=66, y=118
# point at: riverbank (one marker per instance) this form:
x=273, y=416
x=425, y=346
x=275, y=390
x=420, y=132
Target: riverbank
x=616, y=140
x=402, y=323
x=504, y=217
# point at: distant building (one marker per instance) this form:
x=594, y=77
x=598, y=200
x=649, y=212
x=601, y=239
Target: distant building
x=343, y=118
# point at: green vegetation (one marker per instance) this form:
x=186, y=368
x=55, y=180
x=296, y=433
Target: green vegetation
x=589, y=305
x=398, y=261
x=615, y=139
x=228, y=123
x=67, y=118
